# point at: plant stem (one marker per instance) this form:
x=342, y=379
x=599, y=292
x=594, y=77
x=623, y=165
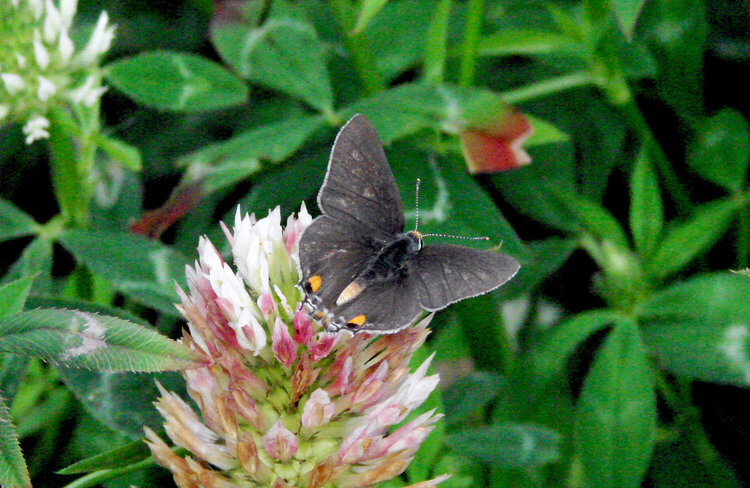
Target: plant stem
x=638, y=123
x=98, y=477
x=474, y=12
x=547, y=87
x=357, y=45
x=436, y=45
x=743, y=231
x=69, y=189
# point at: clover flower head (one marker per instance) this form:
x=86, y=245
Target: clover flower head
x=39, y=67
x=284, y=403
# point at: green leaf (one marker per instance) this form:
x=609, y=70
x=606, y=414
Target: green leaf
x=226, y=163
x=177, y=82
x=81, y=339
x=720, y=151
x=13, y=295
x=36, y=259
x=472, y=392
x=109, y=397
x=646, y=210
x=14, y=222
x=143, y=270
x=120, y=151
x=592, y=217
x=525, y=41
x=695, y=470
x=284, y=54
x=13, y=472
x=368, y=10
x=700, y=328
x=508, y=445
x=616, y=412
x=627, y=12
x=676, y=32
x=114, y=458
x=549, y=357
x=547, y=256
x=544, y=133
x=686, y=240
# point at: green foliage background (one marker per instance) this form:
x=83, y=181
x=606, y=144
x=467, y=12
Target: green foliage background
x=617, y=357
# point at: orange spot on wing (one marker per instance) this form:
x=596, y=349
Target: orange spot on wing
x=357, y=321
x=314, y=283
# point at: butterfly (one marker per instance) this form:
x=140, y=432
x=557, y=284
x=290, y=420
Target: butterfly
x=359, y=270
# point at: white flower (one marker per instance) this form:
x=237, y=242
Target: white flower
x=52, y=22
x=36, y=128
x=99, y=41
x=41, y=56
x=13, y=82
x=86, y=94
x=65, y=46
x=46, y=89
x=4, y=110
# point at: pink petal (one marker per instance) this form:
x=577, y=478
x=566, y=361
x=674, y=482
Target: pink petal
x=280, y=443
x=283, y=347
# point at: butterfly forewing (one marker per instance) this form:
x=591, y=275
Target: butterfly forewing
x=445, y=274
x=359, y=189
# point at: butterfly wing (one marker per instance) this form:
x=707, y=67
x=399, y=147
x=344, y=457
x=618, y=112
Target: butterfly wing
x=383, y=308
x=359, y=190
x=444, y=274
x=334, y=252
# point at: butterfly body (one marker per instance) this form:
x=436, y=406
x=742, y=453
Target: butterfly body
x=359, y=269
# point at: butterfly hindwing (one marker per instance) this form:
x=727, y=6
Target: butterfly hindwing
x=384, y=307
x=445, y=274
x=359, y=189
x=331, y=254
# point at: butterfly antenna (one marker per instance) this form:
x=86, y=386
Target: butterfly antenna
x=416, y=205
x=483, y=238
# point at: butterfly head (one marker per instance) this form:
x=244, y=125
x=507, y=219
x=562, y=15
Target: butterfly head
x=415, y=241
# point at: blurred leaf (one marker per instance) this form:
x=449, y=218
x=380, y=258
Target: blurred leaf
x=108, y=397
x=367, y=11
x=36, y=259
x=720, y=152
x=176, y=81
x=12, y=372
x=627, y=12
x=80, y=339
x=549, y=357
x=112, y=459
x=684, y=241
x=14, y=222
x=470, y=393
x=226, y=163
x=287, y=185
x=120, y=151
x=679, y=465
x=527, y=189
x=646, y=210
x=700, y=328
x=544, y=133
x=144, y=270
x=514, y=42
x=13, y=472
x=592, y=217
x=507, y=444
x=13, y=296
x=397, y=41
x=676, y=33
x=409, y=108
x=616, y=412
x=547, y=256
x=284, y=54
